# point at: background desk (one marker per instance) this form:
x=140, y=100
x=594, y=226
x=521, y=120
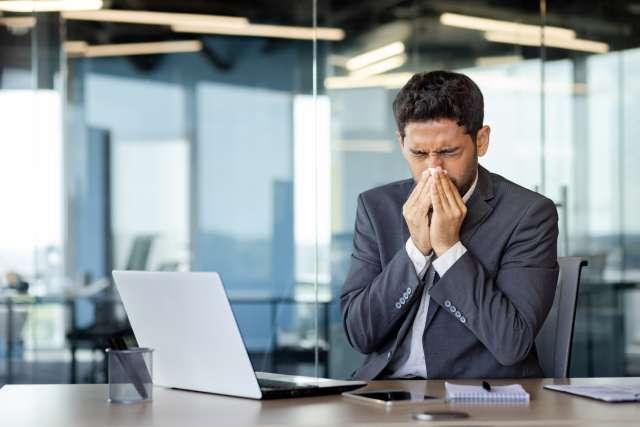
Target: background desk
x=278, y=357
x=10, y=304
x=86, y=405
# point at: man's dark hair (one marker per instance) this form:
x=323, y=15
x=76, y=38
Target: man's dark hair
x=440, y=95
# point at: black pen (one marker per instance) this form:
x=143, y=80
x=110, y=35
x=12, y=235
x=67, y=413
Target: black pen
x=486, y=386
x=134, y=366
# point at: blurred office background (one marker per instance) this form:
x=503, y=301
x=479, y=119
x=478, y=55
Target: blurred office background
x=235, y=136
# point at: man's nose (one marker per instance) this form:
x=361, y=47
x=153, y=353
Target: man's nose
x=435, y=160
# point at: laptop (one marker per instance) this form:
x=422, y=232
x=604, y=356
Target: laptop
x=187, y=319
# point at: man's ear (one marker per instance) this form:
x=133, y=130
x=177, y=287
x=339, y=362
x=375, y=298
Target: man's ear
x=482, y=140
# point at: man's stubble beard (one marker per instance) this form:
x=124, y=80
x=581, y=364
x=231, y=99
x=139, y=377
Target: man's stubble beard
x=469, y=178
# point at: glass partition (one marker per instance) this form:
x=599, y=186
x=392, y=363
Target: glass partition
x=589, y=169
x=364, y=74
x=32, y=251
x=237, y=139
x=559, y=97
x=201, y=155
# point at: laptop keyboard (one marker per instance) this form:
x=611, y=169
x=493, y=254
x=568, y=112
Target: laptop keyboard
x=282, y=385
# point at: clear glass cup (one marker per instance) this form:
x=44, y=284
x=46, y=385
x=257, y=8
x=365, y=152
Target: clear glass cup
x=130, y=375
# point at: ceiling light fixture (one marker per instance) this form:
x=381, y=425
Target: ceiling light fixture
x=206, y=24
x=507, y=27
x=490, y=61
x=261, y=30
x=375, y=55
x=389, y=81
x=80, y=48
x=561, y=43
x=380, y=67
x=75, y=48
x=155, y=18
x=524, y=34
x=24, y=6
x=18, y=21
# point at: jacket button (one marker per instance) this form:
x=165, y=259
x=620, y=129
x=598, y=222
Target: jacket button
x=388, y=355
x=409, y=290
x=452, y=309
x=447, y=303
x=463, y=320
x=458, y=314
x=398, y=305
x=402, y=300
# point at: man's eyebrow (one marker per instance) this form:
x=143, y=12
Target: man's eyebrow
x=440, y=150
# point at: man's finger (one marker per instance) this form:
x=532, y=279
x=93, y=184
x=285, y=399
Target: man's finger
x=423, y=202
x=436, y=201
x=439, y=184
x=457, y=197
x=451, y=194
x=423, y=185
x=417, y=190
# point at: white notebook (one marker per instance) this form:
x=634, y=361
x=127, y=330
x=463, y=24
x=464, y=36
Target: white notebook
x=505, y=393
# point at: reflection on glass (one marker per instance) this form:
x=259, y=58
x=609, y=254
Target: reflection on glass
x=559, y=103
x=146, y=139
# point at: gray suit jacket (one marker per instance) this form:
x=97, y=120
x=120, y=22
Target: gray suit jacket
x=503, y=286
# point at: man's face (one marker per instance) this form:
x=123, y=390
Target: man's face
x=445, y=144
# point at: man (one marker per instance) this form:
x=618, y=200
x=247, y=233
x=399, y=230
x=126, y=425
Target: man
x=453, y=272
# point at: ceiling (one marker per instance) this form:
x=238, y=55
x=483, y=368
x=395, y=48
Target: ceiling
x=367, y=24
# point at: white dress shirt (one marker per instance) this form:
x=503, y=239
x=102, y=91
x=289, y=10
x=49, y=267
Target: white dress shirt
x=415, y=365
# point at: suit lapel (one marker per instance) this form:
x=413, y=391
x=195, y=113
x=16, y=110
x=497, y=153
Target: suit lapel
x=477, y=207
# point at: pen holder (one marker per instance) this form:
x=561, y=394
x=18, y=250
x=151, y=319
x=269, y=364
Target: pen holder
x=130, y=375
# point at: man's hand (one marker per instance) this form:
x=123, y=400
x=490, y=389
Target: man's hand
x=449, y=212
x=416, y=213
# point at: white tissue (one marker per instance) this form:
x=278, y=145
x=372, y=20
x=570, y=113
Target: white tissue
x=432, y=171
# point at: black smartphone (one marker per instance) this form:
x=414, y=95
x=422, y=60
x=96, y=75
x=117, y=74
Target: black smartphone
x=392, y=397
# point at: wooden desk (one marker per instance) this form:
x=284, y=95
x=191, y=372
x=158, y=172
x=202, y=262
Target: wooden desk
x=86, y=405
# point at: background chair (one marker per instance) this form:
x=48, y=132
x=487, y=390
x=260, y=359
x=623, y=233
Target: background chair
x=11, y=343
x=556, y=335
x=107, y=324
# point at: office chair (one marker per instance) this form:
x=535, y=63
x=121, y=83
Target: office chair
x=18, y=320
x=138, y=258
x=106, y=326
x=556, y=335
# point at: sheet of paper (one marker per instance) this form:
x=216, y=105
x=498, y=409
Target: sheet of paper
x=608, y=393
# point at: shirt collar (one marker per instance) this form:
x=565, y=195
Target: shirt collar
x=469, y=192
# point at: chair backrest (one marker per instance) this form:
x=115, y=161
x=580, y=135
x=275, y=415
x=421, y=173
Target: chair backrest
x=139, y=254
x=554, y=339
x=19, y=318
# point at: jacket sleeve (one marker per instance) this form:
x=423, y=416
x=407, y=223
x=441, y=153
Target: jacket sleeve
x=506, y=312
x=375, y=299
